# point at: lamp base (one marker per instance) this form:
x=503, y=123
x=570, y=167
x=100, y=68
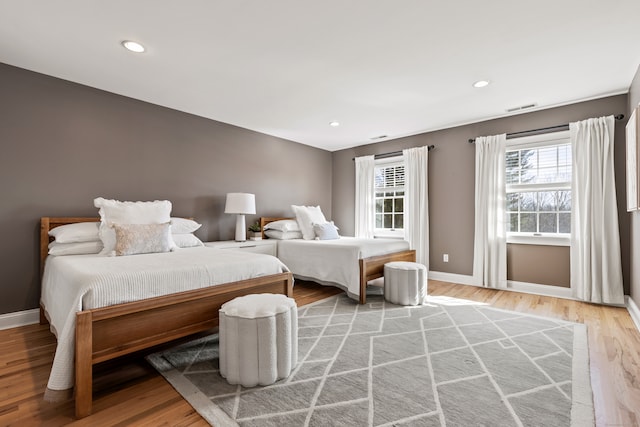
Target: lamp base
x=241, y=230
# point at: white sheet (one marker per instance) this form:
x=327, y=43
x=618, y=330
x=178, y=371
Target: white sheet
x=77, y=282
x=334, y=261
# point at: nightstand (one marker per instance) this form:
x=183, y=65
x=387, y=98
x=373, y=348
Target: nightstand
x=267, y=246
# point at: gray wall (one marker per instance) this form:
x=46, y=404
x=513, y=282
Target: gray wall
x=451, y=190
x=64, y=144
x=634, y=235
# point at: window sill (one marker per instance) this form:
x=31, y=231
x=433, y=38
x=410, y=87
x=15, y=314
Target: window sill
x=530, y=239
x=389, y=235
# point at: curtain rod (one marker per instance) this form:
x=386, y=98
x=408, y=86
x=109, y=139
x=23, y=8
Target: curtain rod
x=395, y=153
x=543, y=130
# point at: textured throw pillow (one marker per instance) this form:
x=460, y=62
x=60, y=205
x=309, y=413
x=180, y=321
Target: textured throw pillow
x=283, y=225
x=326, y=231
x=134, y=239
x=283, y=235
x=77, y=232
x=306, y=217
x=117, y=212
x=186, y=240
x=183, y=226
x=75, y=248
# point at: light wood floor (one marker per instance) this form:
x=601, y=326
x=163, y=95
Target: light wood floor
x=130, y=392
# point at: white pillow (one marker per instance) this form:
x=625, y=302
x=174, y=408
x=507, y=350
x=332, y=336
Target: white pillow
x=326, y=231
x=306, y=217
x=187, y=240
x=283, y=235
x=117, y=212
x=76, y=232
x=183, y=225
x=75, y=248
x=134, y=239
x=283, y=225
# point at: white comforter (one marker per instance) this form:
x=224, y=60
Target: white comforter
x=79, y=282
x=334, y=261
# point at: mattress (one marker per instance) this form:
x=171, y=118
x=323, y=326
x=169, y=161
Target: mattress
x=334, y=262
x=78, y=282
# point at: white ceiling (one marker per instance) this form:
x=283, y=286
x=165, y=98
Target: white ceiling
x=289, y=67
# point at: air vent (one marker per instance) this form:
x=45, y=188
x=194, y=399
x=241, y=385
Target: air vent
x=522, y=107
x=378, y=137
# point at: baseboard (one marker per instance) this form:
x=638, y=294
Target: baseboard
x=536, y=289
x=19, y=318
x=461, y=279
x=634, y=311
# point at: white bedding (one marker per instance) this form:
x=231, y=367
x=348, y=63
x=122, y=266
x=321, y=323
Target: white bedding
x=77, y=282
x=334, y=261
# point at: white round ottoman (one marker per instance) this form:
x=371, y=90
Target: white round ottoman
x=405, y=283
x=258, y=339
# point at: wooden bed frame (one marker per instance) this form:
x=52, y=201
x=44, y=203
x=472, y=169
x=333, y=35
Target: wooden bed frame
x=370, y=268
x=106, y=333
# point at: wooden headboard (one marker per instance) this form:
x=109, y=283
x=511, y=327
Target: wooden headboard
x=266, y=220
x=47, y=224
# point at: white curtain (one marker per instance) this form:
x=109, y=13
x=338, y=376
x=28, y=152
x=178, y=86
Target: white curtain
x=490, y=243
x=365, y=219
x=596, y=272
x=416, y=209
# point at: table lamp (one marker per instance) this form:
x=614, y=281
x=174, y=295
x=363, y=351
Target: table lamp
x=240, y=204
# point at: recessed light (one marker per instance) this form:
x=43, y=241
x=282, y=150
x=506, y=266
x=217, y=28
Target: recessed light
x=481, y=83
x=334, y=124
x=133, y=46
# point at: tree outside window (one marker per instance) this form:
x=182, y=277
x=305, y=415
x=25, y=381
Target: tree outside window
x=538, y=198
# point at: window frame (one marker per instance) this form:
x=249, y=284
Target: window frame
x=535, y=142
x=384, y=232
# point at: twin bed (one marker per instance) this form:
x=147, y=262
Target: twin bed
x=102, y=307
x=98, y=325
x=348, y=263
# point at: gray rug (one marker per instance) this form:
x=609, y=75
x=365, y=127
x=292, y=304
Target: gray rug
x=447, y=363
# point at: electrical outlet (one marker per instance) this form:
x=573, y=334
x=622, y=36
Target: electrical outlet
x=445, y=257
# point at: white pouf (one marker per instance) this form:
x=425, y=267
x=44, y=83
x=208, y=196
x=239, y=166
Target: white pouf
x=405, y=283
x=258, y=339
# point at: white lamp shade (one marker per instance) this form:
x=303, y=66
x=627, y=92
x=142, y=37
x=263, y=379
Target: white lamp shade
x=240, y=203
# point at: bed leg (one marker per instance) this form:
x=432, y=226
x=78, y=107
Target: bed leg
x=289, y=286
x=363, y=282
x=84, y=365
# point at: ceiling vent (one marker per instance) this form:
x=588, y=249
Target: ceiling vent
x=378, y=137
x=522, y=107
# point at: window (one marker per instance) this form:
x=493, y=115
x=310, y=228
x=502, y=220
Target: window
x=538, y=181
x=389, y=198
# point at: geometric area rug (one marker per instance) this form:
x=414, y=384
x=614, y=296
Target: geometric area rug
x=449, y=362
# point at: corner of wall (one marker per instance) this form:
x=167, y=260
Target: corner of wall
x=634, y=312
x=634, y=245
